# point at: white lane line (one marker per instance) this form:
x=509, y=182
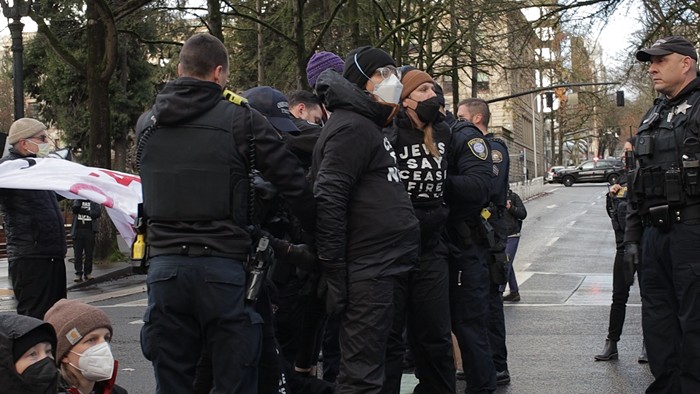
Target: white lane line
x=552, y=241
x=571, y=224
x=136, y=322
x=585, y=211
x=552, y=206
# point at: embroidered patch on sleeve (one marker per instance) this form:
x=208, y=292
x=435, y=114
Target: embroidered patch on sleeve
x=496, y=156
x=478, y=148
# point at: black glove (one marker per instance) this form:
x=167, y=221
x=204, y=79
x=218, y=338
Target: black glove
x=333, y=285
x=631, y=260
x=303, y=256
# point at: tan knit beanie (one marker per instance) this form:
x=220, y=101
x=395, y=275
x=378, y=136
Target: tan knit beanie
x=72, y=320
x=24, y=128
x=412, y=80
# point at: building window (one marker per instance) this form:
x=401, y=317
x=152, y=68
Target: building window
x=482, y=82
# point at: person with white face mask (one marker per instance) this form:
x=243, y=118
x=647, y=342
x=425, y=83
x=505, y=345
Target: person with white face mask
x=367, y=235
x=83, y=353
x=36, y=241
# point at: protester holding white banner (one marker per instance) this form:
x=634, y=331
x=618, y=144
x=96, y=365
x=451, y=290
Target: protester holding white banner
x=36, y=241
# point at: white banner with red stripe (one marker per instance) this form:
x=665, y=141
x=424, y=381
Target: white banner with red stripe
x=119, y=192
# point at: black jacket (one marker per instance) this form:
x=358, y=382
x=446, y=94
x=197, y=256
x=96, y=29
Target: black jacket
x=81, y=213
x=32, y=220
x=200, y=135
x=364, y=213
x=302, y=143
x=12, y=327
x=422, y=174
x=515, y=214
x=469, y=173
x=667, y=134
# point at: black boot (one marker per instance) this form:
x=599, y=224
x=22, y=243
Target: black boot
x=609, y=351
x=643, y=355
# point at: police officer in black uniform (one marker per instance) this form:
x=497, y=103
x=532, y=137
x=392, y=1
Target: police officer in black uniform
x=663, y=223
x=467, y=192
x=196, y=150
x=477, y=111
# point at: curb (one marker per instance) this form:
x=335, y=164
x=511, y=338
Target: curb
x=120, y=273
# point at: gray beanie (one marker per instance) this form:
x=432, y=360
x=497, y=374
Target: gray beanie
x=24, y=128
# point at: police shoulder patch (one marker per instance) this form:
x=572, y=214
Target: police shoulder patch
x=496, y=156
x=478, y=148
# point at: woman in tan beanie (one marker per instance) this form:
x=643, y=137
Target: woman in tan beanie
x=420, y=137
x=83, y=351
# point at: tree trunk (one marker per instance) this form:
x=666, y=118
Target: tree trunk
x=100, y=124
x=300, y=50
x=214, y=20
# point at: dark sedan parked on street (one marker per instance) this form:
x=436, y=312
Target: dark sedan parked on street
x=590, y=172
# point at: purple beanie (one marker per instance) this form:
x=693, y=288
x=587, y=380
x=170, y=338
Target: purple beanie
x=322, y=61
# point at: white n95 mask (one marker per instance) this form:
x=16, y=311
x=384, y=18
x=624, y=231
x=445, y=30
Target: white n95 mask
x=389, y=90
x=96, y=363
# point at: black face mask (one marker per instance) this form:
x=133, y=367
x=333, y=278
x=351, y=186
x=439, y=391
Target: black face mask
x=428, y=111
x=41, y=377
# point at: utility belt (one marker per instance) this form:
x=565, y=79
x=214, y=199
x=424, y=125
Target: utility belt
x=662, y=216
x=678, y=186
x=192, y=251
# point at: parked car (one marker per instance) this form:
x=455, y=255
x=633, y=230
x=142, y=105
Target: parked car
x=549, y=178
x=590, y=172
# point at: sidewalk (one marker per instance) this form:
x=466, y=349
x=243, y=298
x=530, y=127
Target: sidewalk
x=101, y=272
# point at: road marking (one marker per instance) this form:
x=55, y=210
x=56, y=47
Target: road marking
x=571, y=224
x=137, y=322
x=552, y=241
x=585, y=211
x=552, y=206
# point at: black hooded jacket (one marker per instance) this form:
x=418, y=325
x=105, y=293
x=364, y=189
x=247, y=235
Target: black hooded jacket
x=32, y=220
x=195, y=165
x=364, y=213
x=12, y=327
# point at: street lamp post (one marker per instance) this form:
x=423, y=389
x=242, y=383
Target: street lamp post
x=15, y=12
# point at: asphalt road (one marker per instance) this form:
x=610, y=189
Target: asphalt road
x=564, y=267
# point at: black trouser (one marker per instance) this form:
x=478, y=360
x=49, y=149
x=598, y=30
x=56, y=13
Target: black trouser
x=38, y=283
x=497, y=329
x=364, y=331
x=331, y=348
x=621, y=290
x=196, y=305
x=83, y=244
x=670, y=265
x=469, y=295
x=421, y=303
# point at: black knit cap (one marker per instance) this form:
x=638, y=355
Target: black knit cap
x=369, y=59
x=42, y=333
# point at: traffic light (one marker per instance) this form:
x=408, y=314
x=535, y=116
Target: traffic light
x=620, y=98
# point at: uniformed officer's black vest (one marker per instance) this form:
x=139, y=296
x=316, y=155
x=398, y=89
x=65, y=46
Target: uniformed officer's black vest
x=667, y=150
x=192, y=172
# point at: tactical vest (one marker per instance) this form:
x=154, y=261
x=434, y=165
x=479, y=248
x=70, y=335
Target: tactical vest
x=193, y=172
x=667, y=150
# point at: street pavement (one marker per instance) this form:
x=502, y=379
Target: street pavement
x=563, y=265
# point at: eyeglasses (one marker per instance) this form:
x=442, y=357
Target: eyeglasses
x=387, y=72
x=42, y=138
